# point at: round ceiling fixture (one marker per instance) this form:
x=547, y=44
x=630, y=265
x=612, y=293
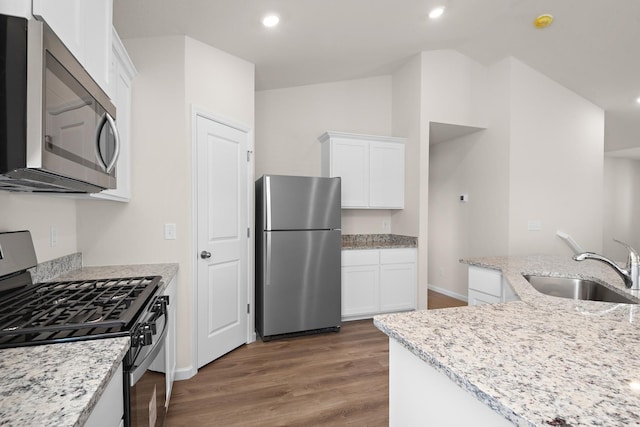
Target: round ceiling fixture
x=436, y=12
x=270, y=21
x=543, y=21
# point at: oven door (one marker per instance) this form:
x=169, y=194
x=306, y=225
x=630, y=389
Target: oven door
x=145, y=389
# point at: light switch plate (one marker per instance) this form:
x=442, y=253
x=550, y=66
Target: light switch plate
x=170, y=231
x=53, y=241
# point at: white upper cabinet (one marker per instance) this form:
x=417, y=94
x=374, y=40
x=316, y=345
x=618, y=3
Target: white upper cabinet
x=122, y=73
x=85, y=27
x=371, y=168
x=386, y=177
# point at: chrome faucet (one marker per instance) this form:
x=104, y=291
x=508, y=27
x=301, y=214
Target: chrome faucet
x=630, y=274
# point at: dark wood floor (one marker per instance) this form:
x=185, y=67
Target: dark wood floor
x=333, y=379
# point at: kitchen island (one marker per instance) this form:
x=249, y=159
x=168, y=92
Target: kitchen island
x=61, y=384
x=539, y=361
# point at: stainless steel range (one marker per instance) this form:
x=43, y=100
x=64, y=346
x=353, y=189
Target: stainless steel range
x=63, y=311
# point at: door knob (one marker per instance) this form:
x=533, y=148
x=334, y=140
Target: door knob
x=205, y=254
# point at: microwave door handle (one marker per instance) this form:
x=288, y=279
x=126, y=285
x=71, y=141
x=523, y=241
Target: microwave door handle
x=99, y=156
x=116, y=139
x=106, y=118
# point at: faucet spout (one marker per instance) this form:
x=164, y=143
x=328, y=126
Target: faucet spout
x=630, y=274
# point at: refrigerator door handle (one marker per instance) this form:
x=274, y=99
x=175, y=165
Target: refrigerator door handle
x=267, y=255
x=267, y=209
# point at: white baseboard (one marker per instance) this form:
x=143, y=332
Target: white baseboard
x=185, y=373
x=448, y=293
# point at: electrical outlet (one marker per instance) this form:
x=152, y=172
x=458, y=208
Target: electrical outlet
x=53, y=235
x=385, y=226
x=534, y=225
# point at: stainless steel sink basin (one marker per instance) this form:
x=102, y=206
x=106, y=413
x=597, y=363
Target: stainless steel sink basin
x=582, y=289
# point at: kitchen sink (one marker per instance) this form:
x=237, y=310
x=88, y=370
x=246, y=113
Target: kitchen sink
x=582, y=289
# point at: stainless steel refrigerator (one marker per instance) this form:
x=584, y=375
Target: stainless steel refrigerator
x=298, y=243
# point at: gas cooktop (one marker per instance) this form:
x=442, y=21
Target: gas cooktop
x=72, y=310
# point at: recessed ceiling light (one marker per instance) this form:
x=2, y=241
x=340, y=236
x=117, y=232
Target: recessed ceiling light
x=270, y=21
x=436, y=12
x=543, y=21
x=638, y=100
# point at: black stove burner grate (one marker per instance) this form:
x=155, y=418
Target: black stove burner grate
x=72, y=310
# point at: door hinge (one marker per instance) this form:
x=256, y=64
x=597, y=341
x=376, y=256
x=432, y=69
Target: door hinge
x=248, y=308
x=249, y=153
x=248, y=231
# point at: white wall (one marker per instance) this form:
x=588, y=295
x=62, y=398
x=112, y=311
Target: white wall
x=454, y=93
x=540, y=158
x=621, y=206
x=407, y=108
x=407, y=121
x=556, y=165
x=38, y=214
x=289, y=122
x=621, y=130
x=132, y=233
x=454, y=89
x=173, y=73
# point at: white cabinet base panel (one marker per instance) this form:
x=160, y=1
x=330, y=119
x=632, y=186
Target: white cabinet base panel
x=419, y=395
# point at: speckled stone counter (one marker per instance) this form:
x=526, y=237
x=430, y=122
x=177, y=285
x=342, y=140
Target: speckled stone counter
x=378, y=241
x=167, y=271
x=60, y=384
x=57, y=384
x=539, y=359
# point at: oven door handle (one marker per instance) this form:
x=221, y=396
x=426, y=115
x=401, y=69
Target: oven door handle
x=142, y=367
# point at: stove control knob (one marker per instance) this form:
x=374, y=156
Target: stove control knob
x=144, y=336
x=160, y=304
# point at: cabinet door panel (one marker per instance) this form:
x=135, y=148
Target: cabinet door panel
x=397, y=287
x=85, y=29
x=350, y=161
x=360, y=290
x=386, y=175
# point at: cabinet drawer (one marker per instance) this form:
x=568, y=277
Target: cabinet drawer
x=397, y=256
x=480, y=298
x=485, y=280
x=360, y=257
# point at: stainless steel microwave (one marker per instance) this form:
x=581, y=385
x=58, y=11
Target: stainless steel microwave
x=57, y=126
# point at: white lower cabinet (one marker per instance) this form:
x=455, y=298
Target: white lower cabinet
x=487, y=286
x=109, y=411
x=378, y=281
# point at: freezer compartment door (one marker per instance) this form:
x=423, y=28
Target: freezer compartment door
x=301, y=283
x=301, y=203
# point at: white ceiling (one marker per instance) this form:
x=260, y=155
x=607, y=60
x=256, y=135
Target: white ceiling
x=592, y=47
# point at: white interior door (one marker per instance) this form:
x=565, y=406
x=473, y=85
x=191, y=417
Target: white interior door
x=222, y=240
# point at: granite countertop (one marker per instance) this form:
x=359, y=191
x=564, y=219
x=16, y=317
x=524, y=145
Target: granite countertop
x=539, y=359
x=59, y=384
x=378, y=241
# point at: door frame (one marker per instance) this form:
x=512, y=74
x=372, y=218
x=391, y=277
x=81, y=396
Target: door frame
x=196, y=112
